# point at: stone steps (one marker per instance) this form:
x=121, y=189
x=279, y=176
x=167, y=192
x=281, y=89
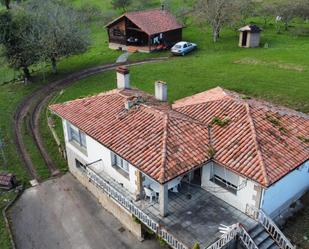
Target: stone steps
x=262, y=239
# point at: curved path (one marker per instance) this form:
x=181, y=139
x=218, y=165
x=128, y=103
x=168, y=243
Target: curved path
x=31, y=106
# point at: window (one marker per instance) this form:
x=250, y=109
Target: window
x=117, y=32
x=224, y=184
x=78, y=164
x=120, y=163
x=225, y=179
x=76, y=135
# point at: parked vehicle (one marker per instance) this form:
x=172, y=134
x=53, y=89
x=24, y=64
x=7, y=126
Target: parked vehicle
x=182, y=48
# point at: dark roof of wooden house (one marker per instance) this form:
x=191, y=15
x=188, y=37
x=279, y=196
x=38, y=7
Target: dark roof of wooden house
x=151, y=21
x=251, y=28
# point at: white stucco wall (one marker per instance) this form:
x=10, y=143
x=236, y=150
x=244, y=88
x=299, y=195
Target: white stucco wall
x=96, y=151
x=248, y=193
x=287, y=190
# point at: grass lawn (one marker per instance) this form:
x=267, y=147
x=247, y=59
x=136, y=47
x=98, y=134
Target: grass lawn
x=279, y=74
x=5, y=198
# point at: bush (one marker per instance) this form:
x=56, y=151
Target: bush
x=196, y=246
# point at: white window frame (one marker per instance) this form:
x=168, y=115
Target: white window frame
x=76, y=135
x=119, y=162
x=223, y=182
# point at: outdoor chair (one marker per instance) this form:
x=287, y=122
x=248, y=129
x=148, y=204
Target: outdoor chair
x=149, y=193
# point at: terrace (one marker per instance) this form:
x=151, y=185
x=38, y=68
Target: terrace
x=194, y=215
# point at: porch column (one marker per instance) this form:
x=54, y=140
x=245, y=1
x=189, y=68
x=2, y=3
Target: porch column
x=139, y=184
x=163, y=199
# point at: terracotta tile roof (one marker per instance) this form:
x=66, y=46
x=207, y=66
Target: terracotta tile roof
x=261, y=141
x=152, y=21
x=151, y=136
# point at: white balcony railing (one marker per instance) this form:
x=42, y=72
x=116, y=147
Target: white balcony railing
x=127, y=204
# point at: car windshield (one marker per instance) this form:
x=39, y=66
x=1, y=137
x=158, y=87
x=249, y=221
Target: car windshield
x=177, y=46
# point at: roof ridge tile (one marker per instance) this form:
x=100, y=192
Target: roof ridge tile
x=164, y=147
x=257, y=146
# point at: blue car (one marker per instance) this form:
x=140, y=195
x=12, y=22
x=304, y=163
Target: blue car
x=182, y=48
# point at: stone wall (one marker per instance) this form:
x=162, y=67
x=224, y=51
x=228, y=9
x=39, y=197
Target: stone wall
x=109, y=204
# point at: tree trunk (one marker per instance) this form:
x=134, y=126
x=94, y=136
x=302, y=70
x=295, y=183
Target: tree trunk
x=216, y=34
x=286, y=26
x=26, y=74
x=54, y=65
x=7, y=4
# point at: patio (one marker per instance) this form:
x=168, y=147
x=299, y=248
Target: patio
x=194, y=215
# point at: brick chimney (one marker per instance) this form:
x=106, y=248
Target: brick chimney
x=123, y=77
x=161, y=90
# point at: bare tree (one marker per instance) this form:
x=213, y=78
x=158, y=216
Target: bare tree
x=121, y=4
x=216, y=13
x=61, y=28
x=287, y=10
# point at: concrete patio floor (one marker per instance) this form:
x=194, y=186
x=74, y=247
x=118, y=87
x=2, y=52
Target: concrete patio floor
x=195, y=215
x=62, y=214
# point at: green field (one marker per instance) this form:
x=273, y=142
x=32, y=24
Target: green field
x=279, y=74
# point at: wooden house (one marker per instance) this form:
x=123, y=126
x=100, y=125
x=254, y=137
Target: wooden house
x=144, y=31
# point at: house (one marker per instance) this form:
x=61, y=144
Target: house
x=250, y=36
x=144, y=31
x=241, y=153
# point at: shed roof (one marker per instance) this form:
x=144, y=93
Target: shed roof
x=6, y=178
x=152, y=22
x=251, y=28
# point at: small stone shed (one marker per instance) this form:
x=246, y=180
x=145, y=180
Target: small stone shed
x=7, y=180
x=249, y=36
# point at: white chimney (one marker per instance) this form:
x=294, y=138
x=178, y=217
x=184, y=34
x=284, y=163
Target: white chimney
x=123, y=77
x=161, y=90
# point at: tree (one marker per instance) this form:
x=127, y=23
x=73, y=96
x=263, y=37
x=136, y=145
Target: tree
x=61, y=28
x=6, y=3
x=286, y=10
x=216, y=13
x=121, y=4
x=18, y=38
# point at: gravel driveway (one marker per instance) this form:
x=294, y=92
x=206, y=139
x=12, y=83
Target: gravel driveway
x=61, y=213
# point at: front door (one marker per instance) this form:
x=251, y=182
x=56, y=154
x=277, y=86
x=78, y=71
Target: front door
x=244, y=38
x=197, y=177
